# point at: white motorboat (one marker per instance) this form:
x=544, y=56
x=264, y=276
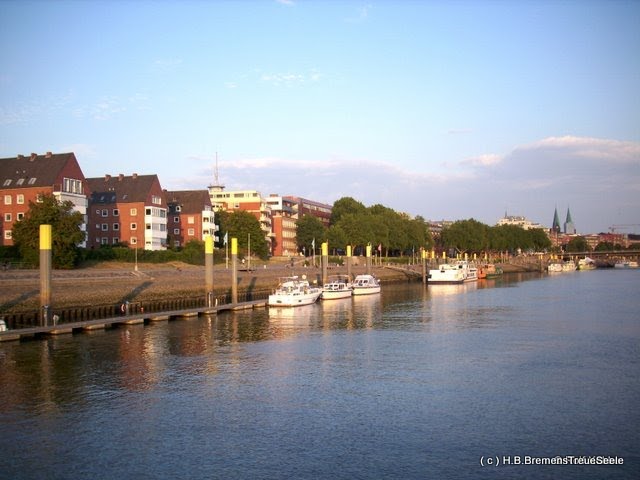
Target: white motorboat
x=294, y=292
x=338, y=286
x=459, y=272
x=569, y=266
x=626, y=264
x=586, y=263
x=365, y=285
x=554, y=267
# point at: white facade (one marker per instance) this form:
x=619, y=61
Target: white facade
x=518, y=221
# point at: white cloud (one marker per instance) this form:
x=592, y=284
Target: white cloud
x=530, y=180
x=289, y=3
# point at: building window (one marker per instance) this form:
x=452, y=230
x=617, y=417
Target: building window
x=176, y=231
x=178, y=208
x=105, y=227
x=116, y=227
x=191, y=220
x=192, y=232
x=20, y=199
x=7, y=200
x=176, y=243
x=7, y=182
x=20, y=215
x=133, y=212
x=176, y=219
x=104, y=241
x=236, y=205
x=134, y=226
x=147, y=212
x=133, y=240
x=148, y=226
x=105, y=212
x=32, y=180
x=20, y=181
x=115, y=240
x=7, y=234
x=7, y=217
x=116, y=212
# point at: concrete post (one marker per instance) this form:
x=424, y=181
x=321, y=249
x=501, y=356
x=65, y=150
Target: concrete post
x=423, y=253
x=325, y=262
x=234, y=270
x=349, y=261
x=368, y=259
x=208, y=269
x=45, y=274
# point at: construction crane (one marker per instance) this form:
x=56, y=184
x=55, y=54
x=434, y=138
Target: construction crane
x=613, y=228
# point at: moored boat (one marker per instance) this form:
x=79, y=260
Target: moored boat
x=294, y=292
x=459, y=272
x=365, y=285
x=489, y=270
x=569, y=266
x=586, y=263
x=338, y=286
x=554, y=267
x=626, y=264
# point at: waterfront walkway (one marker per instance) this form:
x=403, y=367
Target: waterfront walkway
x=135, y=319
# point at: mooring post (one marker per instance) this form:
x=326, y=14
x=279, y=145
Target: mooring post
x=349, y=261
x=208, y=269
x=369, y=259
x=234, y=270
x=325, y=261
x=424, y=266
x=45, y=274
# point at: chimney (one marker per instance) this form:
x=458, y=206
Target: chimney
x=20, y=157
x=135, y=175
x=107, y=177
x=33, y=157
x=120, y=177
x=48, y=155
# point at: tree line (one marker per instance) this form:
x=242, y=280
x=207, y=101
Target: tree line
x=390, y=233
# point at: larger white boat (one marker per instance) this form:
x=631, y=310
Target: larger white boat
x=294, y=292
x=586, y=263
x=338, y=286
x=365, y=285
x=459, y=272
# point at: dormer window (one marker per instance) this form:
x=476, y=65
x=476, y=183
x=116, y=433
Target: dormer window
x=32, y=180
x=7, y=182
x=20, y=181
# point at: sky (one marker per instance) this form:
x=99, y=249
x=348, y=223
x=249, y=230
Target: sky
x=443, y=109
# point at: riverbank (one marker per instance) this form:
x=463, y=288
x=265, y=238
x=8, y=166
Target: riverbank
x=112, y=283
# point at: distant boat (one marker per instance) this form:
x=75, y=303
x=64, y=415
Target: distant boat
x=489, y=270
x=294, y=292
x=555, y=267
x=569, y=266
x=626, y=264
x=338, y=286
x=459, y=272
x=365, y=285
x=586, y=263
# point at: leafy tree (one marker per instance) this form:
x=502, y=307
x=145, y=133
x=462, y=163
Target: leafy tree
x=243, y=225
x=466, y=236
x=344, y=206
x=577, y=244
x=357, y=229
x=309, y=228
x=66, y=232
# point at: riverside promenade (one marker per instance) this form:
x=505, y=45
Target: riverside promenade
x=117, y=293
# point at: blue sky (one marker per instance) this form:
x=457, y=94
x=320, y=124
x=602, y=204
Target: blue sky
x=442, y=109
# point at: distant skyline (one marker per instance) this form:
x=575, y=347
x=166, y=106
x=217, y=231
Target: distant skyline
x=448, y=110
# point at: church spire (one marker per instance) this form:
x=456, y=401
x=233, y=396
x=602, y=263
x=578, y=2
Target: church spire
x=556, y=222
x=569, y=227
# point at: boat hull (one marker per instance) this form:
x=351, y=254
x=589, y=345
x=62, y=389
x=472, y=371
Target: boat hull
x=293, y=300
x=365, y=290
x=335, y=294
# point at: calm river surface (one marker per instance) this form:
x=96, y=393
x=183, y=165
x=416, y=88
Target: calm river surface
x=416, y=383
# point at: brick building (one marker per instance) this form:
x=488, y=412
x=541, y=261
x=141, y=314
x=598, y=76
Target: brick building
x=24, y=179
x=127, y=209
x=190, y=216
x=283, y=222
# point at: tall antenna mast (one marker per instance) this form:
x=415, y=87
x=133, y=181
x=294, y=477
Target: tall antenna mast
x=216, y=187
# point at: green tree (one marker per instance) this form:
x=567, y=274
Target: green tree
x=577, y=244
x=466, y=236
x=245, y=227
x=346, y=205
x=66, y=232
x=308, y=230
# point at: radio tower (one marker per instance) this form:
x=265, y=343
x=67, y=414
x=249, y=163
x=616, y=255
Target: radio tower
x=216, y=187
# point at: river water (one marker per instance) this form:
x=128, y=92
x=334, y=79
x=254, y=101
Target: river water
x=415, y=383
